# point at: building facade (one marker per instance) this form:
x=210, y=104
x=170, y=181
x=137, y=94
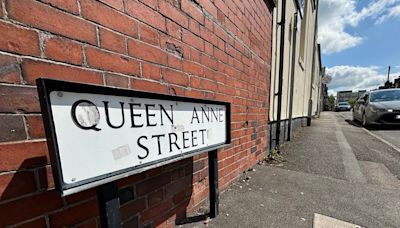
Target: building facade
x=207, y=49
x=345, y=96
x=296, y=65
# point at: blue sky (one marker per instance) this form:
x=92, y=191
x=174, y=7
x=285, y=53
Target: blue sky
x=359, y=40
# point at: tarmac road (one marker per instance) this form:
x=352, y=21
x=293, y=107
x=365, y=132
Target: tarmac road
x=388, y=134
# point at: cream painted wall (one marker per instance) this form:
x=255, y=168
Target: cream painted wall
x=303, y=66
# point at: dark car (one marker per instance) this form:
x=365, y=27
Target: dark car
x=379, y=107
x=343, y=106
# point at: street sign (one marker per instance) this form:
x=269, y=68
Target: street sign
x=97, y=134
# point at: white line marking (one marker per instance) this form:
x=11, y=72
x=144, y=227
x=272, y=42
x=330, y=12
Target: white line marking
x=382, y=140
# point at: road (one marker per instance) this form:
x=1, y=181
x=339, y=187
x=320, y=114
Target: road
x=388, y=134
x=331, y=170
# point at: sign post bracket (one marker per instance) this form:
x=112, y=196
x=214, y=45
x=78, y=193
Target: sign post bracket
x=213, y=183
x=109, y=206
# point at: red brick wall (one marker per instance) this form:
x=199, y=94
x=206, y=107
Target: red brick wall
x=210, y=49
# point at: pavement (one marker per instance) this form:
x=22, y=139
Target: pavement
x=332, y=174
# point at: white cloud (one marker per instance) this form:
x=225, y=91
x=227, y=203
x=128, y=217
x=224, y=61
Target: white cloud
x=390, y=13
x=337, y=15
x=356, y=78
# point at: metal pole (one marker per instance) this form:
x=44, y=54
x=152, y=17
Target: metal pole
x=213, y=183
x=108, y=199
x=292, y=76
x=280, y=80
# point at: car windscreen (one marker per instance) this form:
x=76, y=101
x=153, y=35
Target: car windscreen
x=388, y=95
x=343, y=103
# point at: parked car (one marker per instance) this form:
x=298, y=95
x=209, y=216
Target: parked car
x=379, y=107
x=343, y=106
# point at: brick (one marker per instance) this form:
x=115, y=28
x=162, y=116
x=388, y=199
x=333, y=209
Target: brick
x=145, y=14
x=195, y=55
x=35, y=126
x=192, y=40
x=81, y=196
x=131, y=180
x=46, y=179
x=91, y=223
x=174, y=62
x=175, y=77
x=209, y=24
x=194, y=27
x=148, y=35
x=221, y=6
x=193, y=68
x=21, y=155
x=156, y=211
x=209, y=85
x=174, y=29
x=116, y=4
x=109, y=17
x=207, y=35
x=209, y=48
x=16, y=99
x=150, y=86
x=209, y=7
x=132, y=208
x=195, y=82
x=111, y=62
x=155, y=198
x=146, y=52
x=9, y=69
x=50, y=19
x=117, y=80
x=16, y=184
x=209, y=61
x=31, y=208
x=177, y=186
x=74, y=215
x=31, y=70
x=112, y=41
x=152, y=184
x=38, y=223
x=70, y=6
x=192, y=10
x=131, y=223
x=19, y=40
x=173, y=13
x=152, y=3
x=63, y=50
x=1, y=9
x=12, y=128
x=151, y=71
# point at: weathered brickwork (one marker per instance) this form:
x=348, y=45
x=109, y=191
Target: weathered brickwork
x=209, y=49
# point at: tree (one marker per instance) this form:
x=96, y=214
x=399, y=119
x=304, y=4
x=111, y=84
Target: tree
x=352, y=101
x=331, y=100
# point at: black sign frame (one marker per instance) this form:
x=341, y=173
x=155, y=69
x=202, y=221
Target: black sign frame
x=46, y=86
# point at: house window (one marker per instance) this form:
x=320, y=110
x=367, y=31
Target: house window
x=303, y=32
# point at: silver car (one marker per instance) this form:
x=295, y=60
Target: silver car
x=378, y=107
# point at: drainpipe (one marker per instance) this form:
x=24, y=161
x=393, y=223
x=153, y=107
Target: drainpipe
x=280, y=79
x=292, y=76
x=310, y=102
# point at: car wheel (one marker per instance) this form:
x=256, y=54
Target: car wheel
x=364, y=120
